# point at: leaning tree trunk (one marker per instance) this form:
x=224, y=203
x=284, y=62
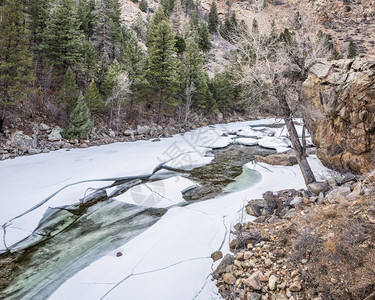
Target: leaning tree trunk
x=307, y=173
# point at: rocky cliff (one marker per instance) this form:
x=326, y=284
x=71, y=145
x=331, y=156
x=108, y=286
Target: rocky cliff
x=340, y=113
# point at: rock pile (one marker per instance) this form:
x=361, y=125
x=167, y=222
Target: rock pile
x=291, y=250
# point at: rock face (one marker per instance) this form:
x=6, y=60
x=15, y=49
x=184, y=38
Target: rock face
x=340, y=113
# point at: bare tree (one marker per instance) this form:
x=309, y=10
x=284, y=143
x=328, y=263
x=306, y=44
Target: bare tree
x=120, y=91
x=189, y=93
x=272, y=68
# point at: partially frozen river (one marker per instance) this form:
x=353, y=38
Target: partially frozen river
x=111, y=222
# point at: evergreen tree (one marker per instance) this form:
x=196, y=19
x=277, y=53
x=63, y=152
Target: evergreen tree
x=157, y=18
x=102, y=71
x=213, y=19
x=135, y=65
x=180, y=44
x=194, y=21
x=15, y=59
x=92, y=97
x=85, y=13
x=193, y=73
x=62, y=37
x=223, y=92
x=69, y=91
x=204, y=38
x=107, y=36
x=110, y=78
x=89, y=60
x=39, y=14
x=143, y=5
x=176, y=18
x=162, y=65
x=140, y=27
x=80, y=122
x=168, y=6
x=352, y=51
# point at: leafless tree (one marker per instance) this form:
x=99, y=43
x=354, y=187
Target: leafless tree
x=120, y=91
x=189, y=93
x=272, y=68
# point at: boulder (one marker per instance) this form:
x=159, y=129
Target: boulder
x=296, y=201
x=318, y=187
x=34, y=151
x=55, y=135
x=111, y=133
x=337, y=194
x=44, y=127
x=21, y=141
x=259, y=208
x=226, y=261
x=143, y=129
x=279, y=159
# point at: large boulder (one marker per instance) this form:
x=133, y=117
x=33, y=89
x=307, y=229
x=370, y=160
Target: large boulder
x=143, y=129
x=279, y=159
x=21, y=141
x=55, y=135
x=339, y=112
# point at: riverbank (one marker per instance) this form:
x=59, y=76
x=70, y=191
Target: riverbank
x=305, y=246
x=175, y=251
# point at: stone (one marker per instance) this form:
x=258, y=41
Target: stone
x=255, y=296
x=254, y=281
x=159, y=128
x=44, y=127
x=34, y=151
x=229, y=278
x=217, y=255
x=272, y=282
x=279, y=159
x=128, y=132
x=337, y=194
x=247, y=255
x=21, y=141
x=295, y=201
x=295, y=286
x=143, y=129
x=318, y=187
x=112, y=134
x=46, y=150
x=357, y=191
x=55, y=135
x=226, y=261
x=259, y=208
x=267, y=262
x=118, y=254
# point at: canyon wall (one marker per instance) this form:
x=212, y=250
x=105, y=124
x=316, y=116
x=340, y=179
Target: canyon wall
x=339, y=112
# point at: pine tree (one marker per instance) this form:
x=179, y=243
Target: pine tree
x=80, y=122
x=162, y=65
x=143, y=5
x=62, y=37
x=168, y=6
x=69, y=91
x=92, y=97
x=107, y=36
x=193, y=73
x=135, y=65
x=223, y=92
x=213, y=19
x=157, y=18
x=85, y=13
x=110, y=79
x=15, y=59
x=89, y=60
x=102, y=71
x=352, y=51
x=39, y=11
x=139, y=26
x=204, y=38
